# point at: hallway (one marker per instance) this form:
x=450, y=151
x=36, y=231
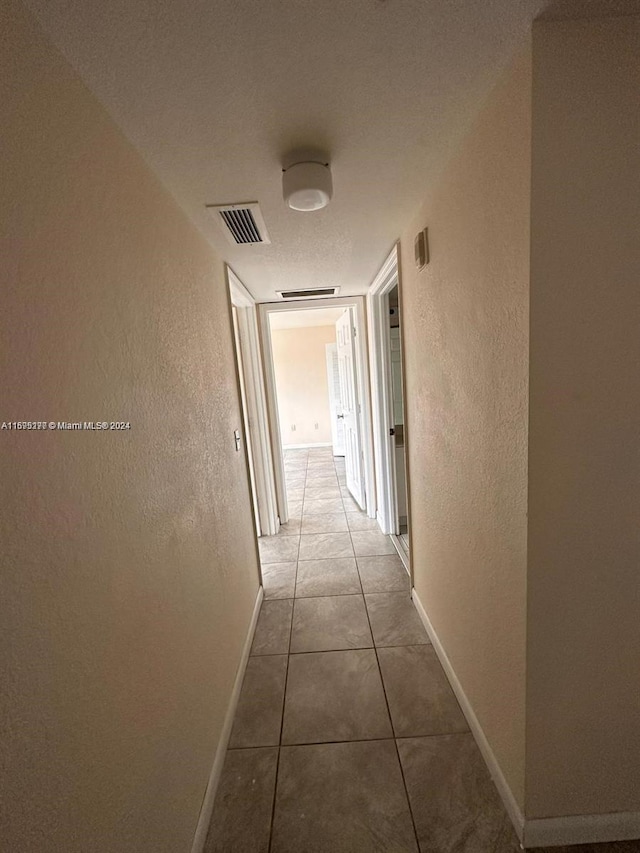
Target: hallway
x=347, y=736
x=345, y=712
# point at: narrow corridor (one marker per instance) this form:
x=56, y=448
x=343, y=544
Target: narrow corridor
x=348, y=737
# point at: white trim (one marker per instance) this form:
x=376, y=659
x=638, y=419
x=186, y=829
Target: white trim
x=206, y=810
x=536, y=832
x=512, y=807
x=305, y=446
x=262, y=459
x=401, y=552
x=581, y=829
x=242, y=298
x=362, y=369
x=245, y=420
x=381, y=393
x=274, y=418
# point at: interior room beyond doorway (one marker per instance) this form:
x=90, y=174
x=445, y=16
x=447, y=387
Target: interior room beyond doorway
x=303, y=347
x=317, y=388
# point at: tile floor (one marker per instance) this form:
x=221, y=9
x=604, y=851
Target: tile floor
x=348, y=737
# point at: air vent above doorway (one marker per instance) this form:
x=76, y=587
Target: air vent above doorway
x=242, y=224
x=313, y=293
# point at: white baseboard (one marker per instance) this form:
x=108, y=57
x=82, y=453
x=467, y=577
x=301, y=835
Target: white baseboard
x=306, y=446
x=512, y=807
x=581, y=829
x=537, y=832
x=216, y=770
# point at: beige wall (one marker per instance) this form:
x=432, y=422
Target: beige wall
x=583, y=705
x=465, y=321
x=129, y=567
x=300, y=362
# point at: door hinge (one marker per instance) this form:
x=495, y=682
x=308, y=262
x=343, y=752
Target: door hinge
x=354, y=332
x=392, y=431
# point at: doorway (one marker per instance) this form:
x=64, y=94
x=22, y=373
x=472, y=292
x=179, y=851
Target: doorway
x=398, y=429
x=339, y=423
x=254, y=406
x=388, y=404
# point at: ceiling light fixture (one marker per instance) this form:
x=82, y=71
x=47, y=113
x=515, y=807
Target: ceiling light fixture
x=307, y=185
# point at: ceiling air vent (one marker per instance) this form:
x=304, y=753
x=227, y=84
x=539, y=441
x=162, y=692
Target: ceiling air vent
x=314, y=293
x=242, y=223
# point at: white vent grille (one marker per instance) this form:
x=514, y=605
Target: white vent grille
x=313, y=293
x=242, y=224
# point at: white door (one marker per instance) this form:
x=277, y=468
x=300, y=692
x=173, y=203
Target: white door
x=335, y=401
x=345, y=334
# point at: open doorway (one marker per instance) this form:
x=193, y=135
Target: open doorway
x=305, y=367
x=329, y=543
x=317, y=390
x=250, y=376
x=398, y=429
x=387, y=392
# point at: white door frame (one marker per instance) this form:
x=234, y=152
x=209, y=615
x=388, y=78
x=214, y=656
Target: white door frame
x=256, y=413
x=362, y=371
x=245, y=419
x=382, y=393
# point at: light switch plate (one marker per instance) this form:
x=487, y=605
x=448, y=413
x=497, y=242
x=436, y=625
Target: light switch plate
x=421, y=248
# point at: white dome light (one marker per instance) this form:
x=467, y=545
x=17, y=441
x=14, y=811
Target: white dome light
x=307, y=186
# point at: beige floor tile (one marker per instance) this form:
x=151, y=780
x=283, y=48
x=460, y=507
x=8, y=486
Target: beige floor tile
x=325, y=546
x=420, y=698
x=291, y=528
x=259, y=713
x=334, y=696
x=332, y=522
x=369, y=543
x=383, y=574
x=279, y=580
x=241, y=818
x=322, y=506
x=330, y=623
x=273, y=628
x=278, y=549
x=341, y=798
x=294, y=509
x=327, y=577
x=394, y=619
x=350, y=504
x=322, y=480
x=455, y=805
x=321, y=493
x=360, y=521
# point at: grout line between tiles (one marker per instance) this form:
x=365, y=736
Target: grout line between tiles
x=353, y=740
x=323, y=651
x=386, y=699
x=335, y=742
x=284, y=699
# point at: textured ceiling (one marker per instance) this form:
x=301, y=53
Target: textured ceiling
x=216, y=93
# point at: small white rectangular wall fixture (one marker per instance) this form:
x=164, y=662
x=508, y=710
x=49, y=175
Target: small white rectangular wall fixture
x=421, y=248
